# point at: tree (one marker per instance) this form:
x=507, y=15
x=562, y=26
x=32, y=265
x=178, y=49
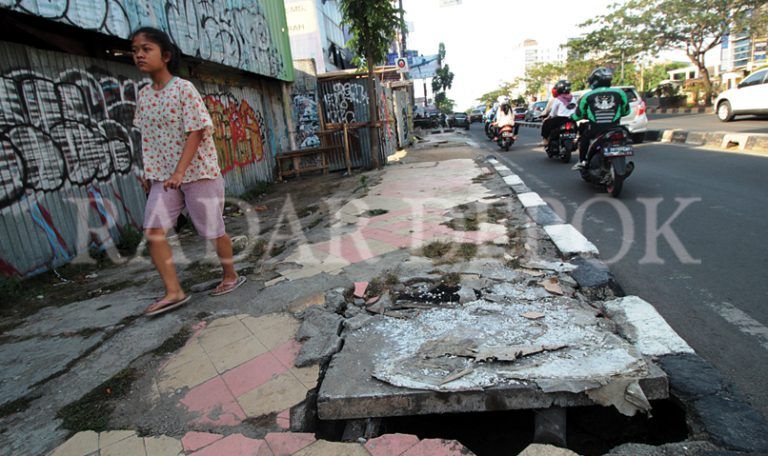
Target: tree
x=638, y=27
x=655, y=74
x=442, y=81
x=489, y=98
x=373, y=25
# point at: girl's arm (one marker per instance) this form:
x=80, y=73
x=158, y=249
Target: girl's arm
x=190, y=149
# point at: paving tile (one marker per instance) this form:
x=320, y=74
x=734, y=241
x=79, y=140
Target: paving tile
x=284, y=419
x=189, y=375
x=273, y=330
x=391, y=444
x=288, y=443
x=236, y=445
x=131, y=446
x=80, y=444
x=214, y=337
x=110, y=437
x=163, y=446
x=227, y=414
x=191, y=351
x=325, y=448
x=437, y=447
x=207, y=396
x=193, y=441
x=224, y=321
x=252, y=374
x=274, y=396
x=308, y=376
x=287, y=353
x=236, y=353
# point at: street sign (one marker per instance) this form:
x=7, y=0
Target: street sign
x=402, y=65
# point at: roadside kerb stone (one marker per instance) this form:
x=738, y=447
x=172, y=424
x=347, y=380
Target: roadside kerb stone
x=746, y=142
x=531, y=199
x=544, y=215
x=569, y=241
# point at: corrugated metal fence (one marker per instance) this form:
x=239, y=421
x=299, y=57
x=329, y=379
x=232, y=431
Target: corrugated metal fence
x=70, y=155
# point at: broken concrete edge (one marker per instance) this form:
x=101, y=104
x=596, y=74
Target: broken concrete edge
x=711, y=405
x=744, y=142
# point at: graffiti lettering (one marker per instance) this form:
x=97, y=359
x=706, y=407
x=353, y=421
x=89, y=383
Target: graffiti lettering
x=236, y=34
x=305, y=116
x=76, y=129
x=342, y=103
x=239, y=131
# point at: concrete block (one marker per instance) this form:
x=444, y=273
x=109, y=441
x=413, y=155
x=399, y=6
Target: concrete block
x=531, y=199
x=318, y=350
x=757, y=143
x=569, y=241
x=696, y=138
x=544, y=215
x=691, y=377
x=513, y=179
x=335, y=300
x=679, y=136
x=319, y=322
x=520, y=188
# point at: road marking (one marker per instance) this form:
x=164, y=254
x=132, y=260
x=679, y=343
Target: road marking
x=742, y=321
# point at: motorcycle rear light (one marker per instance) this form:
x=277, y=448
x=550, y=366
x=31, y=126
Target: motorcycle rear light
x=616, y=138
x=641, y=108
x=569, y=126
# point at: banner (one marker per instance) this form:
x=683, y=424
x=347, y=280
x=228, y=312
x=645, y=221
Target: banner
x=423, y=66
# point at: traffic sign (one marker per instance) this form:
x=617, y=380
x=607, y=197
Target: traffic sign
x=402, y=65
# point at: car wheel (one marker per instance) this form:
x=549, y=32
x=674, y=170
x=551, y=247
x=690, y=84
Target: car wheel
x=724, y=112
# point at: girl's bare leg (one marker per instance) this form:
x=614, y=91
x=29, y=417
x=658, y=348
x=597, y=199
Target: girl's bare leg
x=162, y=257
x=224, y=250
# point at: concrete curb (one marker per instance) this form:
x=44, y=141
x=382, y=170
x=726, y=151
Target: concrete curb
x=745, y=142
x=709, y=110
x=712, y=408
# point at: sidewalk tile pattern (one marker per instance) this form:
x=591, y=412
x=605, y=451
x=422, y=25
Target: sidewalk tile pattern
x=236, y=368
x=273, y=444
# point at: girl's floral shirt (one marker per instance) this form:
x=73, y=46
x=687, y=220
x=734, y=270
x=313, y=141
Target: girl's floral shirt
x=165, y=117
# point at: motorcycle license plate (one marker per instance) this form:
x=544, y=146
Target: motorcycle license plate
x=618, y=151
x=507, y=134
x=568, y=135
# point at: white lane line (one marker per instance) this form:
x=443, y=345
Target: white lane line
x=645, y=327
x=531, y=199
x=742, y=321
x=569, y=241
x=514, y=179
x=473, y=144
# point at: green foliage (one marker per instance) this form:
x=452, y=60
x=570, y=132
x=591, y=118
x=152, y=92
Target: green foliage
x=443, y=81
x=373, y=25
x=490, y=98
x=443, y=103
x=636, y=28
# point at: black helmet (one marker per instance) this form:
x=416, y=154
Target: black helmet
x=601, y=77
x=563, y=86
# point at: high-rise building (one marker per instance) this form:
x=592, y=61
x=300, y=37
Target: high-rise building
x=536, y=54
x=316, y=33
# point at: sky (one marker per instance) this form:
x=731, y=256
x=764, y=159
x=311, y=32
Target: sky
x=480, y=35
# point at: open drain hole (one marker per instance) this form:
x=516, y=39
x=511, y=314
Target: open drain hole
x=440, y=294
x=591, y=430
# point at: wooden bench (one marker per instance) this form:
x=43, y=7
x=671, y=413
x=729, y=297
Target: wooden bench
x=295, y=162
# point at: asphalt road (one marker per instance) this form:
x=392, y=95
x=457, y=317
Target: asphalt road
x=712, y=286
x=707, y=122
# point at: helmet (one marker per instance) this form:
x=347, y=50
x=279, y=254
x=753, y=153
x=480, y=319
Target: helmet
x=503, y=100
x=563, y=86
x=601, y=77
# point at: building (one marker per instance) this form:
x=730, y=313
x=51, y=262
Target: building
x=316, y=33
x=742, y=53
x=537, y=54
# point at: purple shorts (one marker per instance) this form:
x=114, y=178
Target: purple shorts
x=204, y=200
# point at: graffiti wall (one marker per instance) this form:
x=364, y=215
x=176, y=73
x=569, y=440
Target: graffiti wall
x=247, y=34
x=346, y=102
x=70, y=156
x=304, y=108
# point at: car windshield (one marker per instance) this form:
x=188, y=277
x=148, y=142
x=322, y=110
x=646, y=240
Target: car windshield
x=519, y=110
x=631, y=94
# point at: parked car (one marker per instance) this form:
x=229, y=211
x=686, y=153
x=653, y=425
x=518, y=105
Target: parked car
x=749, y=97
x=459, y=120
x=637, y=119
x=520, y=113
x=476, y=116
x=534, y=113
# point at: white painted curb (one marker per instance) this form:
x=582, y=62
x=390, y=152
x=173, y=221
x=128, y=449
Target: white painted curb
x=644, y=327
x=513, y=180
x=531, y=199
x=569, y=241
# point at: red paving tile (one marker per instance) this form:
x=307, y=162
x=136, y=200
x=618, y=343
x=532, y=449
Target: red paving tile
x=284, y=419
x=436, y=447
x=391, y=444
x=287, y=352
x=252, y=374
x=287, y=443
x=193, y=441
x=226, y=414
x=236, y=445
x=207, y=395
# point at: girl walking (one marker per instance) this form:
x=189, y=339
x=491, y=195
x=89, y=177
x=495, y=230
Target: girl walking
x=181, y=167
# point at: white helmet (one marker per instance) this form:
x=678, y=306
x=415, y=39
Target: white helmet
x=503, y=100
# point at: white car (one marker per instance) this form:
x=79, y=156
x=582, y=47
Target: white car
x=637, y=120
x=749, y=97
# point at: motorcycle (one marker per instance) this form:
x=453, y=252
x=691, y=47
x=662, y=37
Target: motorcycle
x=490, y=130
x=506, y=137
x=607, y=164
x=562, y=142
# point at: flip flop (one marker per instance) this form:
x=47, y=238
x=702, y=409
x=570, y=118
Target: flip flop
x=229, y=288
x=168, y=305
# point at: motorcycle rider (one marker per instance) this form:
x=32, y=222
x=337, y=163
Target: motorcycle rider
x=560, y=112
x=505, y=116
x=603, y=107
